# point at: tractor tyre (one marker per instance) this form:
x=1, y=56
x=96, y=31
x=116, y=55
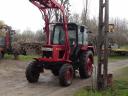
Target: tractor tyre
x=86, y=64
x=66, y=75
x=1, y=55
x=32, y=72
x=55, y=72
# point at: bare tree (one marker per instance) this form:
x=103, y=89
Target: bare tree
x=58, y=14
x=27, y=36
x=39, y=36
x=75, y=18
x=55, y=15
x=84, y=15
x=121, y=31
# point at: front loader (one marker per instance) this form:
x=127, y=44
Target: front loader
x=65, y=51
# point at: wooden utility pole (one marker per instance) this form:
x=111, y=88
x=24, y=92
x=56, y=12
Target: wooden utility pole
x=102, y=46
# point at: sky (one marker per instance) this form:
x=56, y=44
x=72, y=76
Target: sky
x=21, y=14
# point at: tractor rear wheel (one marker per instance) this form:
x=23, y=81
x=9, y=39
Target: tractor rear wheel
x=86, y=64
x=32, y=72
x=66, y=75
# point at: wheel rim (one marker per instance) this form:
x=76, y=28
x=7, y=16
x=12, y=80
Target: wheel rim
x=89, y=66
x=68, y=75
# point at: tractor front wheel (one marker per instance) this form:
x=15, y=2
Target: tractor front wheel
x=86, y=64
x=1, y=55
x=32, y=72
x=66, y=75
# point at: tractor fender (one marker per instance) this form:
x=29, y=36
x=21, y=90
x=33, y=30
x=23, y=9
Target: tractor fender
x=37, y=59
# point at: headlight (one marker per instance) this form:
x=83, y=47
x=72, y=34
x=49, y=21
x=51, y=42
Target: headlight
x=46, y=49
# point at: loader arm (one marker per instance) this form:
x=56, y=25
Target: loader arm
x=44, y=5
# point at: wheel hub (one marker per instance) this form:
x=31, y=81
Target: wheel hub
x=68, y=75
x=89, y=66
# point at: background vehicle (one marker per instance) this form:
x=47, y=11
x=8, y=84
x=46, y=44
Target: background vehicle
x=6, y=39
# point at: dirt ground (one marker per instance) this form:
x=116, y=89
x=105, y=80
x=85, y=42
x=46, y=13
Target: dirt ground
x=14, y=83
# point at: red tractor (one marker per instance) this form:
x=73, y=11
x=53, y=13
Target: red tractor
x=66, y=49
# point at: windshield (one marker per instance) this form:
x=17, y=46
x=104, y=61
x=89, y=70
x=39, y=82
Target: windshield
x=59, y=35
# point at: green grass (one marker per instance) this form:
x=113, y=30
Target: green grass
x=27, y=57
x=21, y=57
x=113, y=58
x=30, y=57
x=124, y=47
x=122, y=74
x=117, y=58
x=119, y=88
x=85, y=92
x=116, y=90
x=89, y=92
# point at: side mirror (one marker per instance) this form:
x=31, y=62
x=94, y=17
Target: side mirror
x=82, y=29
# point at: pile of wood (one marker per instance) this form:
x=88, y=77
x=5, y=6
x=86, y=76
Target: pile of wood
x=31, y=48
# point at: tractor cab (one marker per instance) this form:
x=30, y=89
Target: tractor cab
x=76, y=34
x=56, y=50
